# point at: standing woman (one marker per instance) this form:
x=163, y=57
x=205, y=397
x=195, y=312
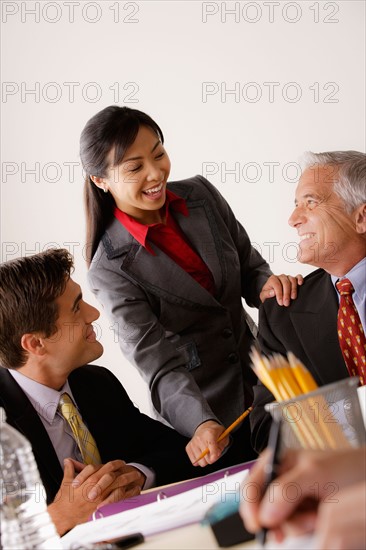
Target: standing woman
x=170, y=264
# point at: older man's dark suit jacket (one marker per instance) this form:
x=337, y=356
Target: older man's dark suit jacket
x=308, y=328
x=120, y=430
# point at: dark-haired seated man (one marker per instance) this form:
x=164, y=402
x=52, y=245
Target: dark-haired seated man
x=91, y=444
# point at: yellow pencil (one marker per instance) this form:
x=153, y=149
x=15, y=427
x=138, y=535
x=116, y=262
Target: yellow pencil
x=226, y=432
x=301, y=373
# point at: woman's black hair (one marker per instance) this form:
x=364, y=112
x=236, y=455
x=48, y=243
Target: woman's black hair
x=112, y=128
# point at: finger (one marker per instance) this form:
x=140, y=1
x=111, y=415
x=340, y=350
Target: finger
x=209, y=458
x=78, y=466
x=253, y=488
x=266, y=293
x=66, y=483
x=195, y=448
x=203, y=461
x=120, y=494
x=285, y=294
x=301, y=523
x=278, y=534
x=192, y=453
x=215, y=450
x=197, y=452
x=118, y=466
x=300, y=279
x=111, y=481
x=113, y=467
x=284, y=496
x=69, y=471
x=132, y=491
x=293, y=283
x=280, y=286
x=252, y=491
x=85, y=474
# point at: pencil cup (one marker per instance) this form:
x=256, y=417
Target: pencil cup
x=327, y=418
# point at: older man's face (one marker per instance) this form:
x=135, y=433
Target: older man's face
x=327, y=232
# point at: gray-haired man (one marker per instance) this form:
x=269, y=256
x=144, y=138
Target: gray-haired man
x=330, y=219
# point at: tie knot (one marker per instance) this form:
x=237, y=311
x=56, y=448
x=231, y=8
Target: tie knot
x=344, y=287
x=66, y=405
x=65, y=399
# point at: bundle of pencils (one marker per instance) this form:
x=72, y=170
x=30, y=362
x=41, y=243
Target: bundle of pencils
x=310, y=417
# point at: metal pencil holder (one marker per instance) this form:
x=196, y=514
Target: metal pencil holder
x=327, y=418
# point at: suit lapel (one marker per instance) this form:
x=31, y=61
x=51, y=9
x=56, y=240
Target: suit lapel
x=201, y=222
x=161, y=275
x=164, y=278
x=315, y=321
x=22, y=415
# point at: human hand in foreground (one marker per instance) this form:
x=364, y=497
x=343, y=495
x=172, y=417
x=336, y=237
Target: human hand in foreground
x=311, y=493
x=284, y=287
x=93, y=486
x=341, y=525
x=206, y=436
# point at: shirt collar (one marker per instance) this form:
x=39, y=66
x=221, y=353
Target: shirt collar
x=44, y=399
x=139, y=230
x=357, y=276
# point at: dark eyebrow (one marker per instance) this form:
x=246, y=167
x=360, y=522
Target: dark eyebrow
x=77, y=299
x=138, y=158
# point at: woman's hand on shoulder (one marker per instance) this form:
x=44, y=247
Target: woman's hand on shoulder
x=283, y=287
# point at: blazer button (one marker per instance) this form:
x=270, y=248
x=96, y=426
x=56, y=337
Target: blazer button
x=227, y=333
x=232, y=358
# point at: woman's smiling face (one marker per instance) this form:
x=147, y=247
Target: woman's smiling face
x=138, y=183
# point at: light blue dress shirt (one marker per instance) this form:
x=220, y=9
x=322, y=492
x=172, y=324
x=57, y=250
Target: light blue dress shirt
x=45, y=400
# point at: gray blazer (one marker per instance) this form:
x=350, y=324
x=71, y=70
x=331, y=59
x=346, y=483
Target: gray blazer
x=189, y=346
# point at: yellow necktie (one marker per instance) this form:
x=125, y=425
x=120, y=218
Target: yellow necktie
x=88, y=447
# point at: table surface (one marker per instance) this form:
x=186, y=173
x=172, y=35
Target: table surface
x=191, y=537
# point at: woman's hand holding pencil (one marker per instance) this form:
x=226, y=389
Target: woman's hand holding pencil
x=208, y=455
x=206, y=437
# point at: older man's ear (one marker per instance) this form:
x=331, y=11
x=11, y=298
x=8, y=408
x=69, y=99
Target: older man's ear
x=360, y=219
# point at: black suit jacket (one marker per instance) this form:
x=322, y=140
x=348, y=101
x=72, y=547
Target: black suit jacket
x=308, y=328
x=119, y=429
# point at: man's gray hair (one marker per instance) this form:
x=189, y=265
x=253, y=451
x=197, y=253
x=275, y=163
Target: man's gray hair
x=350, y=184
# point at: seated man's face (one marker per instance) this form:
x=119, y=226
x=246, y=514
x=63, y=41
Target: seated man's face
x=327, y=232
x=74, y=344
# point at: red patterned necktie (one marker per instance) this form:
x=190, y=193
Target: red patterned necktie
x=350, y=332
